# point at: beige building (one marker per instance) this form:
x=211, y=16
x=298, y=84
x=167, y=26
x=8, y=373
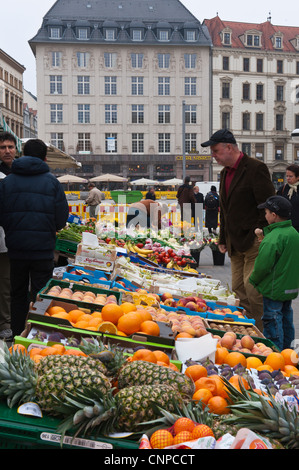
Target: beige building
x=11, y=93
x=256, y=89
x=112, y=81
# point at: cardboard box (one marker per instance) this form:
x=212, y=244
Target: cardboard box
x=100, y=257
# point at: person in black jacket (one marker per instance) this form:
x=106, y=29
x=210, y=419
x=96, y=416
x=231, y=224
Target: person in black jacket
x=197, y=207
x=33, y=207
x=151, y=194
x=291, y=192
x=212, y=209
x=8, y=148
x=185, y=197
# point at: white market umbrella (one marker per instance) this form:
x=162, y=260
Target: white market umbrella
x=172, y=182
x=71, y=179
x=107, y=177
x=144, y=181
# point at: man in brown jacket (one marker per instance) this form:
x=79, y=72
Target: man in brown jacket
x=93, y=200
x=244, y=184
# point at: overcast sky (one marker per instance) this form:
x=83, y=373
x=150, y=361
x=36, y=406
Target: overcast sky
x=21, y=20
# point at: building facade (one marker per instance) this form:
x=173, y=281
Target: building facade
x=11, y=93
x=30, y=115
x=256, y=89
x=113, y=79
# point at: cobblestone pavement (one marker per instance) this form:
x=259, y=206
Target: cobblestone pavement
x=223, y=273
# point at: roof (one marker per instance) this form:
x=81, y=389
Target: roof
x=121, y=14
x=216, y=26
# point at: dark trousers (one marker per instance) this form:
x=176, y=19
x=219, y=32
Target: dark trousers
x=27, y=278
x=4, y=292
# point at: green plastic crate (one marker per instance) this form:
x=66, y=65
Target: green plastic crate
x=66, y=246
x=131, y=196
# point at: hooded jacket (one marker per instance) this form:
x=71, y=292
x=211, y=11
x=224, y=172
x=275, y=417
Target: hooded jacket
x=276, y=271
x=33, y=207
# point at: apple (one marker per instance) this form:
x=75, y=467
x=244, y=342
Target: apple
x=166, y=295
x=191, y=306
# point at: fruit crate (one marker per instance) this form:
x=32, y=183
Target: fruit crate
x=19, y=431
x=66, y=246
x=239, y=327
x=43, y=293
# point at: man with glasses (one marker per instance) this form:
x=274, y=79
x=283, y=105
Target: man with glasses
x=244, y=184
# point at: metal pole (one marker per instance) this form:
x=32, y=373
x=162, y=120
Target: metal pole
x=184, y=139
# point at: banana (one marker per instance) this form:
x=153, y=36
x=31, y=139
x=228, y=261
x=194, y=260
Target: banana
x=142, y=251
x=132, y=248
x=169, y=265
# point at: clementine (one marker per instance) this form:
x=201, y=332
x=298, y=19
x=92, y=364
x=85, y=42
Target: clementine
x=128, y=307
x=161, y=356
x=55, y=309
x=206, y=382
x=290, y=357
x=150, y=328
x=112, y=312
x=234, y=358
x=129, y=323
x=218, y=405
x=144, y=355
x=275, y=360
x=183, y=424
x=196, y=371
x=203, y=395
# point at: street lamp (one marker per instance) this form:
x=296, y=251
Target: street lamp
x=295, y=135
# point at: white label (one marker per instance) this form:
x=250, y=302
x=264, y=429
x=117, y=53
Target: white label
x=30, y=409
x=78, y=442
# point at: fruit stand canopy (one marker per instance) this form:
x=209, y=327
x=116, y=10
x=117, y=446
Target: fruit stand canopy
x=56, y=158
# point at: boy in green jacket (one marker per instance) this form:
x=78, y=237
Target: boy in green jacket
x=276, y=271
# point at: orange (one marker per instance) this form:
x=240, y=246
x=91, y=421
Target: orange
x=253, y=362
x=202, y=430
x=128, y=307
x=183, y=436
x=275, y=360
x=63, y=315
x=37, y=357
x=74, y=352
x=196, y=371
x=144, y=355
x=129, y=323
x=18, y=347
x=220, y=355
x=183, y=424
x=96, y=315
x=59, y=348
x=183, y=335
x=55, y=309
x=94, y=321
x=34, y=351
x=150, y=328
x=173, y=367
x=81, y=324
x=121, y=333
x=290, y=357
x=161, y=438
x=218, y=405
x=107, y=327
x=234, y=358
x=234, y=380
x=206, y=382
x=112, y=312
x=288, y=369
x=145, y=315
x=48, y=351
x=220, y=387
x=265, y=367
x=85, y=317
x=161, y=356
x=75, y=314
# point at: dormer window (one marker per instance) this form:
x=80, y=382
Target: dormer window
x=55, y=33
x=190, y=35
x=278, y=42
x=110, y=34
x=137, y=35
x=227, y=39
x=82, y=33
x=253, y=40
x=163, y=35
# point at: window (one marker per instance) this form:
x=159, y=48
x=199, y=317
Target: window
x=137, y=113
x=111, y=142
x=259, y=122
x=55, y=84
x=249, y=40
x=136, y=60
x=278, y=152
x=163, y=61
x=83, y=113
x=110, y=113
x=256, y=40
x=279, y=92
x=110, y=34
x=190, y=142
x=259, y=92
x=190, y=61
x=137, y=34
x=259, y=151
x=225, y=63
x=163, y=35
x=82, y=33
x=83, y=85
x=57, y=140
x=137, y=85
x=278, y=42
x=280, y=66
x=259, y=65
x=246, y=148
x=226, y=90
x=190, y=86
x=227, y=39
x=164, y=114
x=56, y=59
x=137, y=143
x=296, y=121
x=83, y=59
x=225, y=120
x=110, y=59
x=297, y=94
x=55, y=33
x=84, y=143
x=110, y=85
x=246, y=91
x=163, y=143
x=190, y=35
x=279, y=122
x=297, y=68
x=163, y=86
x=190, y=114
x=246, y=121
x=56, y=113
x=246, y=64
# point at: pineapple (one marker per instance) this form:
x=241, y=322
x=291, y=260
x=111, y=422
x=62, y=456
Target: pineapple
x=111, y=356
x=21, y=380
x=147, y=373
x=48, y=362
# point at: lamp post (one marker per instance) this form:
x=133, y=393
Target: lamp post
x=184, y=139
x=295, y=139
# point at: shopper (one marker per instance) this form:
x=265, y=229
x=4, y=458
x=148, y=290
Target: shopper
x=276, y=271
x=197, y=208
x=145, y=214
x=185, y=197
x=8, y=150
x=93, y=200
x=212, y=205
x=290, y=190
x=151, y=194
x=33, y=207
x=244, y=183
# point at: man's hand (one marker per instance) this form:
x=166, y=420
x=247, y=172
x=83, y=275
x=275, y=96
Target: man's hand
x=222, y=248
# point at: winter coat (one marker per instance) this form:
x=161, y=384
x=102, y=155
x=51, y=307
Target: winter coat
x=239, y=216
x=211, y=219
x=33, y=207
x=283, y=191
x=276, y=270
